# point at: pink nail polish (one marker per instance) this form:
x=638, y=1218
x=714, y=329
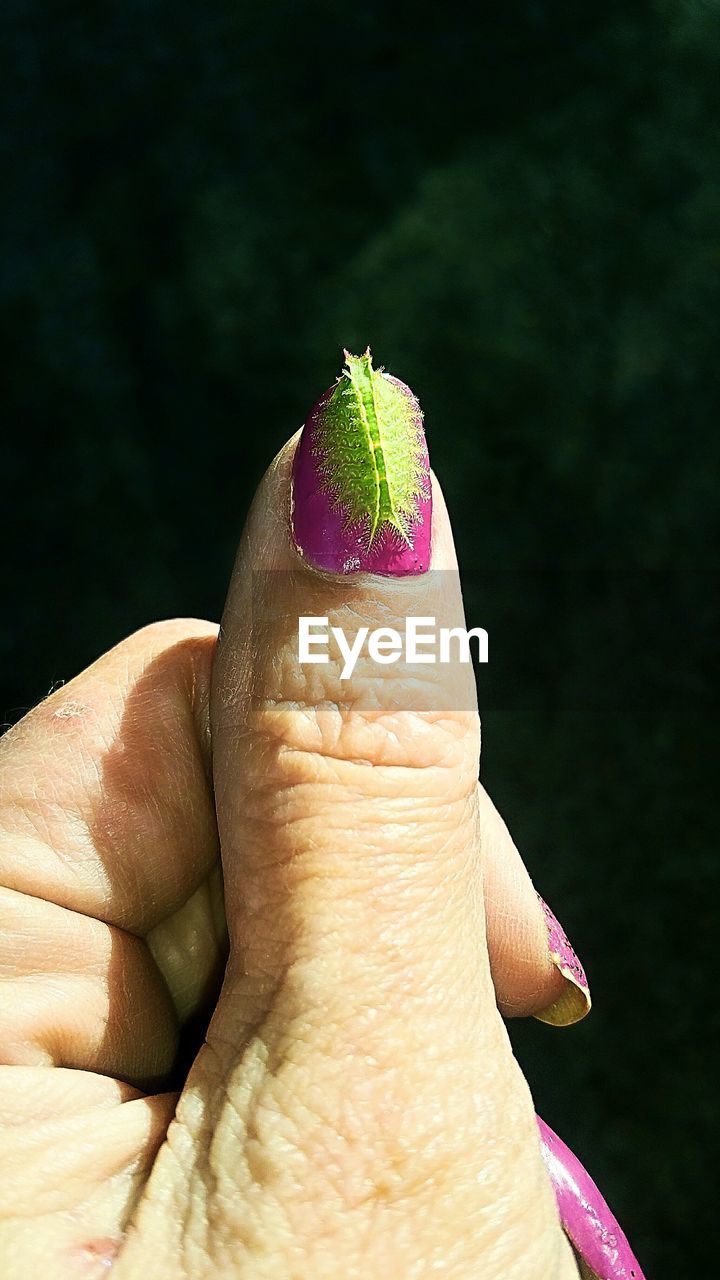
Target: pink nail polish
x=361, y=493
x=589, y=1224
x=575, y=1002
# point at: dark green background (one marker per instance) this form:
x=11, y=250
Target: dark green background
x=518, y=208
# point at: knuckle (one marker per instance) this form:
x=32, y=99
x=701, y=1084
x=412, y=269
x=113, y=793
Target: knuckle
x=345, y=733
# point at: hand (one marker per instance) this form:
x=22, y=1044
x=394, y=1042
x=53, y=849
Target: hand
x=356, y=1109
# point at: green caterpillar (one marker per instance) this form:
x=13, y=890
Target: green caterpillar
x=370, y=450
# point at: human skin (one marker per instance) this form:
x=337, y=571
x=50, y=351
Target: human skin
x=356, y=1109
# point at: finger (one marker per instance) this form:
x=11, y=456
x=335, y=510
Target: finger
x=534, y=968
x=107, y=829
x=80, y=993
x=357, y=1109
x=74, y=1150
x=105, y=805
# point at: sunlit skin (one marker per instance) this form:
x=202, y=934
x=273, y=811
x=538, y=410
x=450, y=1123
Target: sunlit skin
x=356, y=1110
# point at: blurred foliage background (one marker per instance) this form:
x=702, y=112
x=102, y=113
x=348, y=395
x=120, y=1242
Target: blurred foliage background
x=517, y=206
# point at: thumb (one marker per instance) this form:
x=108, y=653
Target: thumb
x=347, y=802
x=357, y=1109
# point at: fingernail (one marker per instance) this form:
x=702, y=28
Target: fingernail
x=588, y=1222
x=361, y=495
x=575, y=1001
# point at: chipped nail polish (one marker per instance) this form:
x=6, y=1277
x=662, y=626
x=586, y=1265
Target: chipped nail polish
x=361, y=494
x=587, y=1221
x=575, y=1001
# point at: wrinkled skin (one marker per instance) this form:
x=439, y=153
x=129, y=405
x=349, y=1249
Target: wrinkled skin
x=356, y=1110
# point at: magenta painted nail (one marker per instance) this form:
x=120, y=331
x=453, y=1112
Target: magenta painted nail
x=589, y=1224
x=361, y=493
x=575, y=1000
